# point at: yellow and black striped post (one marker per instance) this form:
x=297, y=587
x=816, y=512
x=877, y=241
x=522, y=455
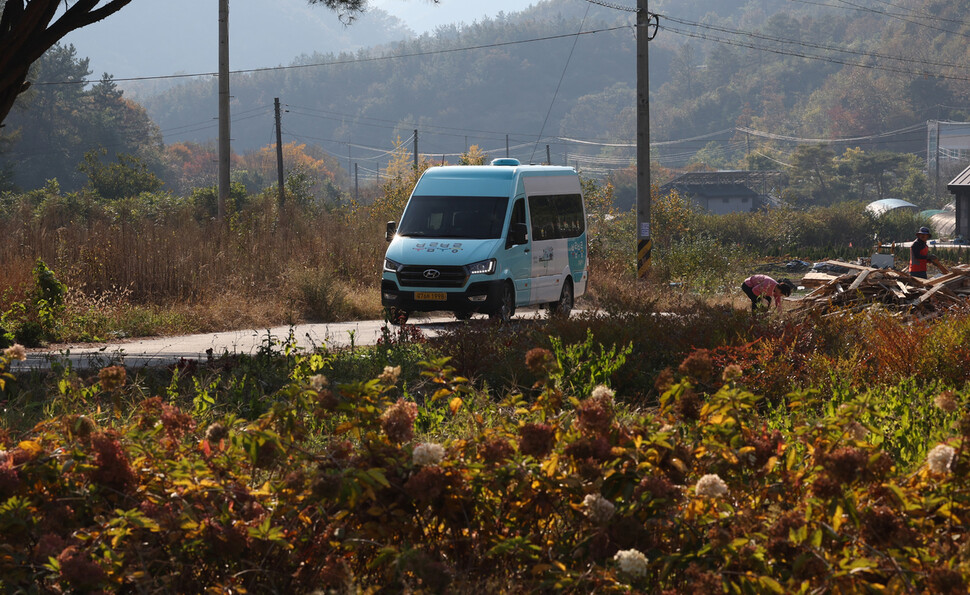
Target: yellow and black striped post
x=644, y=247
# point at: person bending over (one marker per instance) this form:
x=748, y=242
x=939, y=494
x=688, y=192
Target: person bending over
x=762, y=290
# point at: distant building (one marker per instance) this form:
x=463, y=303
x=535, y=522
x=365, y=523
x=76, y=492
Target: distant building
x=960, y=188
x=723, y=192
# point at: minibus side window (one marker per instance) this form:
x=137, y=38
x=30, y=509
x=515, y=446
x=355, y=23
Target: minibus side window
x=518, y=217
x=557, y=216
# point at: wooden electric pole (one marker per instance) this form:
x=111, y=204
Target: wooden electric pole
x=279, y=154
x=415, y=149
x=223, y=108
x=644, y=242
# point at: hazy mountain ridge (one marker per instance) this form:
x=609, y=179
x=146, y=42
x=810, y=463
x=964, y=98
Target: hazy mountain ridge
x=523, y=79
x=503, y=87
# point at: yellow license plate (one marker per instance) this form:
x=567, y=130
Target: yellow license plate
x=431, y=296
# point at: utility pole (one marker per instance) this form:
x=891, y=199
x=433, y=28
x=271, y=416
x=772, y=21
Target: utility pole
x=223, y=108
x=644, y=242
x=936, y=162
x=506, y=145
x=415, y=149
x=279, y=154
x=356, y=184
x=548, y=156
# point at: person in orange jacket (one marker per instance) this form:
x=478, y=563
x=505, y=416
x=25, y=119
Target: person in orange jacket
x=919, y=255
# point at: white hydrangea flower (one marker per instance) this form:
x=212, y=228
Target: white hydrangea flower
x=15, y=352
x=390, y=374
x=318, y=382
x=602, y=390
x=428, y=453
x=940, y=458
x=598, y=509
x=711, y=486
x=946, y=401
x=631, y=562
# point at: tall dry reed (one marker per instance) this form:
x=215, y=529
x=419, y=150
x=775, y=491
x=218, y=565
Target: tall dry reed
x=179, y=258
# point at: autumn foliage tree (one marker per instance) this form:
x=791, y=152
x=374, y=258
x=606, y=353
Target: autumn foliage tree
x=402, y=175
x=190, y=165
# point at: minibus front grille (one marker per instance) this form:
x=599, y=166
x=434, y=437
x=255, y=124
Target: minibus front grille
x=431, y=276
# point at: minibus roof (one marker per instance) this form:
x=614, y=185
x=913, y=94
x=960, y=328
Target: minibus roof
x=480, y=180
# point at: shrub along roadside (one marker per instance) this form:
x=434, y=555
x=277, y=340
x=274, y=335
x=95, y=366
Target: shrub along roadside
x=411, y=478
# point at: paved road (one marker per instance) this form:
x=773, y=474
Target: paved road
x=166, y=350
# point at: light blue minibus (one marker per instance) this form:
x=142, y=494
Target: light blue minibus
x=489, y=239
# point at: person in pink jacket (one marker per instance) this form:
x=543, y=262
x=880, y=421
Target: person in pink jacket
x=762, y=289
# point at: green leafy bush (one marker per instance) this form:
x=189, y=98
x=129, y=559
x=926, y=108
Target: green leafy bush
x=34, y=321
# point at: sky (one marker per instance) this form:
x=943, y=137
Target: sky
x=164, y=37
x=423, y=15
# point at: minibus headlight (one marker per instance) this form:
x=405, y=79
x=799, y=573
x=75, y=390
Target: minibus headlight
x=390, y=266
x=483, y=267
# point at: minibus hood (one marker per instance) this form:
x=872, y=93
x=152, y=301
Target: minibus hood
x=443, y=252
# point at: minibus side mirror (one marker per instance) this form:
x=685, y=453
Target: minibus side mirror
x=518, y=234
x=390, y=231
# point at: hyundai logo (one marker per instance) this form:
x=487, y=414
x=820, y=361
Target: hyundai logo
x=432, y=273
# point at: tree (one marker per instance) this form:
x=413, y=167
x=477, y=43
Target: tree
x=28, y=28
x=54, y=125
x=304, y=172
x=128, y=177
x=46, y=120
x=474, y=156
x=812, y=172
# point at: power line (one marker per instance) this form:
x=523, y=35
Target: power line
x=900, y=17
x=793, y=139
x=833, y=60
x=559, y=85
x=613, y=6
x=811, y=45
x=351, y=60
x=499, y=135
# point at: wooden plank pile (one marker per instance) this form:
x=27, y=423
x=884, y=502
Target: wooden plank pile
x=863, y=287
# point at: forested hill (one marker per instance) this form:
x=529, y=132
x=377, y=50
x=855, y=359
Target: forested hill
x=781, y=70
x=803, y=69
x=470, y=85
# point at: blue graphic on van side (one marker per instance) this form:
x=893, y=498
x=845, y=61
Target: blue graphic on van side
x=453, y=247
x=577, y=253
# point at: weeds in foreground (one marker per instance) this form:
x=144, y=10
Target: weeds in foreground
x=335, y=487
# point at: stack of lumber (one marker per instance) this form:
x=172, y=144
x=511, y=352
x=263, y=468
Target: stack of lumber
x=862, y=287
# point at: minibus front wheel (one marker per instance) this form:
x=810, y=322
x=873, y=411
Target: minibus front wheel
x=565, y=304
x=506, y=304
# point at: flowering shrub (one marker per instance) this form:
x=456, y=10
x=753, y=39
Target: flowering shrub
x=332, y=487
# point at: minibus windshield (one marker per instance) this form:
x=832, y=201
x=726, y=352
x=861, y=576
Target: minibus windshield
x=469, y=217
